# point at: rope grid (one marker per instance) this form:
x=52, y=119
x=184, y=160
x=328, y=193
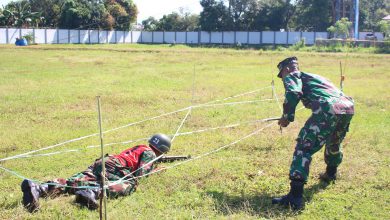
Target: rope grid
x=189, y=109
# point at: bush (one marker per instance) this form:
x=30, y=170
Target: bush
x=385, y=48
x=29, y=37
x=298, y=45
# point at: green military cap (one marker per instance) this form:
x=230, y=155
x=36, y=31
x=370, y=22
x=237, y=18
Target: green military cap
x=284, y=63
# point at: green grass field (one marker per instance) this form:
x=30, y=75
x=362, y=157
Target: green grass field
x=48, y=95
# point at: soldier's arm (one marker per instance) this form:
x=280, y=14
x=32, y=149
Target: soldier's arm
x=144, y=163
x=293, y=87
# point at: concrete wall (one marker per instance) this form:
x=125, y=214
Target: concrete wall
x=65, y=36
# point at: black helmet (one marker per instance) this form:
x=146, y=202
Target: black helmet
x=160, y=142
x=284, y=63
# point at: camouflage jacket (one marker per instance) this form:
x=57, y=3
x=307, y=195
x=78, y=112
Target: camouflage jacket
x=145, y=158
x=316, y=93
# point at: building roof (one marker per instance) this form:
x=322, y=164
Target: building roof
x=387, y=18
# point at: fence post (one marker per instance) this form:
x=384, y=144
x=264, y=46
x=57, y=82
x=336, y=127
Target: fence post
x=274, y=39
x=33, y=35
x=89, y=36
x=45, y=35
x=152, y=37
x=68, y=36
x=247, y=38
x=79, y=37
x=107, y=41
x=6, y=35
x=163, y=37
x=261, y=38
x=223, y=37
x=186, y=38
x=315, y=37
x=98, y=36
x=20, y=32
x=199, y=37
x=235, y=37
x=142, y=39
x=131, y=37
x=300, y=36
x=124, y=36
x=58, y=36
x=287, y=38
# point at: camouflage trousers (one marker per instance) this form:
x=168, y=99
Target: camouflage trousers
x=115, y=171
x=319, y=130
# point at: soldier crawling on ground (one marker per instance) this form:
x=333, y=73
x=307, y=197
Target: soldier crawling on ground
x=121, y=170
x=332, y=112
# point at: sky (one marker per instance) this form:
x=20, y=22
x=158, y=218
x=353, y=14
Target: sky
x=157, y=8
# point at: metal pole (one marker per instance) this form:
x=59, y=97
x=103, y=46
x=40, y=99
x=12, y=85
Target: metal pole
x=103, y=164
x=356, y=19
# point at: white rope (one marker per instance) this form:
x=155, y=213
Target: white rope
x=231, y=103
x=238, y=95
x=206, y=154
x=181, y=124
x=146, y=138
x=124, y=126
x=277, y=99
x=91, y=135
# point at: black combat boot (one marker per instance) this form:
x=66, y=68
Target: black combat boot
x=293, y=198
x=31, y=194
x=330, y=175
x=88, y=198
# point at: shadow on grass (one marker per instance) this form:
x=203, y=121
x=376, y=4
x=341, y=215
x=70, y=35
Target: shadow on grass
x=259, y=205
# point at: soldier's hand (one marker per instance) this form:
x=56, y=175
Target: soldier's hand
x=283, y=122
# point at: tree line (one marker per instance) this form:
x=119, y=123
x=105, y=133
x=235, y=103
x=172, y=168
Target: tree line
x=217, y=15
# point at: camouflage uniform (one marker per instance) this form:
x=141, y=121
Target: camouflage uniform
x=115, y=170
x=332, y=112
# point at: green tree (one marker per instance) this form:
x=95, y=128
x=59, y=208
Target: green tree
x=19, y=14
x=384, y=27
x=313, y=15
x=341, y=28
x=275, y=15
x=150, y=24
x=241, y=12
x=174, y=21
x=215, y=16
x=372, y=11
x=50, y=11
x=81, y=14
x=122, y=13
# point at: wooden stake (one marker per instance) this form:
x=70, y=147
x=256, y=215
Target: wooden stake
x=341, y=77
x=103, y=191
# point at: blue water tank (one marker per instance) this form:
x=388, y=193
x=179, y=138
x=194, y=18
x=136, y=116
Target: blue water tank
x=21, y=42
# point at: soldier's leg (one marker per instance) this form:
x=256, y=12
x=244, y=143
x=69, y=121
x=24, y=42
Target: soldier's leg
x=120, y=182
x=333, y=152
x=311, y=138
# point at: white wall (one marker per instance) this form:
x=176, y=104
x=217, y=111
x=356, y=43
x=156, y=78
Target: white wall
x=192, y=37
x=280, y=37
x=169, y=37
x=242, y=37
x=216, y=37
x=228, y=37
x=65, y=36
x=204, y=37
x=268, y=37
x=158, y=37
x=254, y=37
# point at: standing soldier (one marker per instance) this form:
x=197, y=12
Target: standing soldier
x=121, y=170
x=332, y=112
